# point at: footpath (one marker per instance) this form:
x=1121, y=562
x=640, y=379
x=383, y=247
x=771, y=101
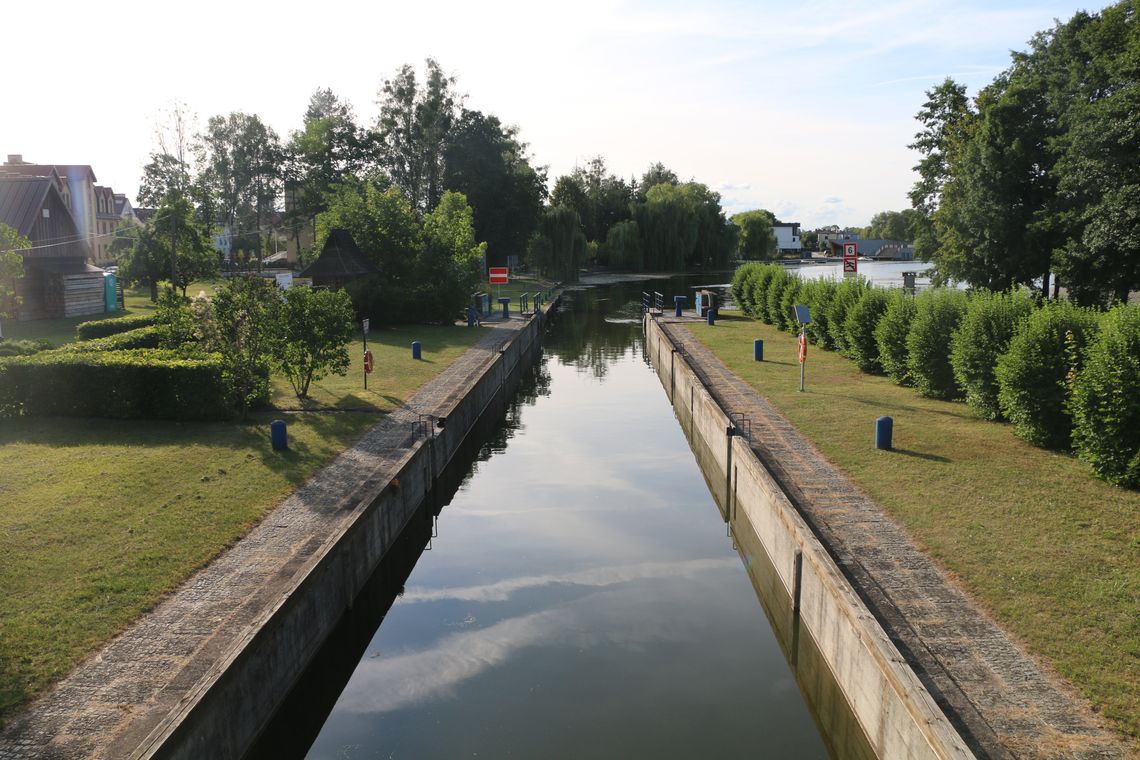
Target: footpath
x=112, y=703
x=1000, y=701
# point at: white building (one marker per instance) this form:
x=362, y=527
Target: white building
x=787, y=236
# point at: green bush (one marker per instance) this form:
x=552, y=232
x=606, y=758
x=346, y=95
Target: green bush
x=847, y=294
x=983, y=335
x=741, y=287
x=11, y=347
x=142, y=337
x=101, y=328
x=760, y=285
x=937, y=315
x=890, y=335
x=793, y=294
x=147, y=384
x=1032, y=374
x=859, y=326
x=819, y=299
x=1106, y=400
x=781, y=281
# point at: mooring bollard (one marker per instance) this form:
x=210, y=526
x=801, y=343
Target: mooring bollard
x=278, y=435
x=472, y=318
x=758, y=350
x=506, y=302
x=711, y=314
x=679, y=302
x=884, y=428
x=417, y=349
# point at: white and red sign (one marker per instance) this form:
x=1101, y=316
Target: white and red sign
x=498, y=275
x=850, y=258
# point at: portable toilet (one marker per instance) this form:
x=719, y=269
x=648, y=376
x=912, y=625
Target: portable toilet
x=706, y=299
x=110, y=292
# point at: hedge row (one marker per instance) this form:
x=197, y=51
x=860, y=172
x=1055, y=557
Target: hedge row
x=148, y=384
x=1066, y=377
x=12, y=347
x=142, y=337
x=101, y=328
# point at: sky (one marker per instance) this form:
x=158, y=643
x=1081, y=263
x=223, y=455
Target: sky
x=805, y=109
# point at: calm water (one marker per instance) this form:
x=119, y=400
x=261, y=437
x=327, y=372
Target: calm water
x=581, y=597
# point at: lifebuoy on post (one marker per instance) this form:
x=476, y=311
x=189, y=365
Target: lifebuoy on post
x=368, y=362
x=803, y=348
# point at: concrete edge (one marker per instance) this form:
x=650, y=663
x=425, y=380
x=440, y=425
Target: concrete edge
x=897, y=713
x=214, y=719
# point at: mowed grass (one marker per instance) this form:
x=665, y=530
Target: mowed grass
x=99, y=518
x=1053, y=552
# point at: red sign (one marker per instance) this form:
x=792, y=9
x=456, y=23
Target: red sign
x=803, y=348
x=498, y=275
x=850, y=258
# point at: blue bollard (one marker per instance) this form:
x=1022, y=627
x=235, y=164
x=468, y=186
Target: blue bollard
x=506, y=302
x=417, y=349
x=884, y=428
x=758, y=350
x=679, y=302
x=711, y=314
x=278, y=436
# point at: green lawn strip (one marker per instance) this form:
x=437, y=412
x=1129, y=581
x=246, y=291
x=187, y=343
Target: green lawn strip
x=516, y=286
x=396, y=375
x=1050, y=550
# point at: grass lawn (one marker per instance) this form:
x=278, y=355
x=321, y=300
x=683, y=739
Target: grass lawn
x=516, y=286
x=101, y=517
x=1050, y=550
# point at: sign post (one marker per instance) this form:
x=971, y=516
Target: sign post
x=850, y=259
x=367, y=354
x=498, y=276
x=803, y=316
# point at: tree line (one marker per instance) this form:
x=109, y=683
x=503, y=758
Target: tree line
x=1038, y=174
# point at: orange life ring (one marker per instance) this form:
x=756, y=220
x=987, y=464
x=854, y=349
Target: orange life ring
x=368, y=362
x=803, y=348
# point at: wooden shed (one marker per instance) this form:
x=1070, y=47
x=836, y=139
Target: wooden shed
x=57, y=281
x=341, y=261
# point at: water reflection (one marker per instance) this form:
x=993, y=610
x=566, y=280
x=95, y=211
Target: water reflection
x=581, y=598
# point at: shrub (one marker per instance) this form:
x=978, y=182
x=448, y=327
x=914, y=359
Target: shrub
x=983, y=335
x=859, y=326
x=891, y=333
x=781, y=281
x=741, y=287
x=101, y=328
x=142, y=337
x=12, y=347
x=1105, y=403
x=1031, y=375
x=819, y=299
x=760, y=285
x=793, y=294
x=937, y=315
x=149, y=384
x=847, y=294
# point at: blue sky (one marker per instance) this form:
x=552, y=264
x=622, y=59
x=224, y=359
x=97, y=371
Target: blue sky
x=805, y=110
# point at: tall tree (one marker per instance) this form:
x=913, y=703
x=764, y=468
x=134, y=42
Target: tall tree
x=413, y=129
x=943, y=117
x=656, y=174
x=11, y=268
x=559, y=246
x=756, y=241
x=488, y=164
x=600, y=198
x=243, y=157
x=894, y=225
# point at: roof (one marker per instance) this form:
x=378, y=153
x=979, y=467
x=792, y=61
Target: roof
x=21, y=199
x=868, y=247
x=76, y=171
x=340, y=259
x=65, y=265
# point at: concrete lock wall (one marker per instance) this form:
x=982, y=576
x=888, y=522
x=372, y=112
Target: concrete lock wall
x=235, y=700
x=897, y=714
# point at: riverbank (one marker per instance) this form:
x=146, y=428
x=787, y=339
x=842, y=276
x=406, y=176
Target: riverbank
x=120, y=698
x=960, y=486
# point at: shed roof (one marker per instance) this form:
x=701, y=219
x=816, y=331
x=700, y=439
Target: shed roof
x=21, y=199
x=340, y=259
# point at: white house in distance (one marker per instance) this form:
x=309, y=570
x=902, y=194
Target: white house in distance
x=787, y=236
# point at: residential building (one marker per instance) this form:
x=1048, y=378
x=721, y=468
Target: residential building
x=787, y=236
x=78, y=191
